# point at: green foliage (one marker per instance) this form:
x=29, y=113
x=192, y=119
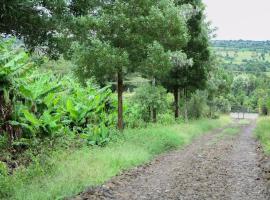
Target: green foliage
x=167, y=118
x=14, y=62
x=3, y=169
x=157, y=63
x=243, y=56
x=45, y=105
x=223, y=104
x=36, y=22
x=3, y=141
x=99, y=59
x=85, y=110
x=150, y=97
x=247, y=62
x=134, y=115
x=197, y=105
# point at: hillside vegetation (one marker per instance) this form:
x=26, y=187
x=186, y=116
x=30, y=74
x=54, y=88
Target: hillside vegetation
x=247, y=65
x=243, y=56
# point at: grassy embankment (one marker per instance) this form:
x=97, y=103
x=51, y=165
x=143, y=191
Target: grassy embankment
x=262, y=132
x=70, y=172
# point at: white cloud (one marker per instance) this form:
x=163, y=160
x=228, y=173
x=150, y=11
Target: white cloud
x=240, y=19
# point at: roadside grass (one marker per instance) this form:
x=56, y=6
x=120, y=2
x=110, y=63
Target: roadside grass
x=231, y=131
x=227, y=132
x=244, y=122
x=262, y=132
x=66, y=173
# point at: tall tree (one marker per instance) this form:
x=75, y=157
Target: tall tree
x=139, y=29
x=177, y=76
x=171, y=32
x=191, y=73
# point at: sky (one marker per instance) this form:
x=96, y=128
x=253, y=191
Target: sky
x=240, y=19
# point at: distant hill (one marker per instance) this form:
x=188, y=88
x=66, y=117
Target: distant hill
x=243, y=55
x=242, y=44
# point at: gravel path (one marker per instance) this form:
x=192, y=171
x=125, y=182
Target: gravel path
x=215, y=166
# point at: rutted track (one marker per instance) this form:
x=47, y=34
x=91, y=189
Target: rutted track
x=212, y=167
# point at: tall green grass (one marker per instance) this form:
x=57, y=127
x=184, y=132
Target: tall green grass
x=262, y=132
x=70, y=172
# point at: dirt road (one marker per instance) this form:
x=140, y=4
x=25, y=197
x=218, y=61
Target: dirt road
x=219, y=165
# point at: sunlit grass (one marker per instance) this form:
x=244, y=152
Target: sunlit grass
x=244, y=122
x=262, y=132
x=71, y=172
x=231, y=131
x=227, y=132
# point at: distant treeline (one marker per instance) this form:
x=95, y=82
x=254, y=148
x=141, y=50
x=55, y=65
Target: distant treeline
x=242, y=44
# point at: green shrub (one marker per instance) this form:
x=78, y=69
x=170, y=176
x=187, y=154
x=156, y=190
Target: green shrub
x=3, y=141
x=166, y=118
x=197, y=105
x=3, y=169
x=149, y=99
x=223, y=105
x=133, y=115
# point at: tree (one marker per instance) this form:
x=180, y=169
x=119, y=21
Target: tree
x=190, y=70
x=197, y=49
x=151, y=99
x=171, y=32
x=176, y=78
x=142, y=30
x=155, y=66
x=37, y=23
x=106, y=63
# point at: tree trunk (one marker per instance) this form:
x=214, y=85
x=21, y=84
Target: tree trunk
x=154, y=110
x=120, y=88
x=176, y=103
x=154, y=115
x=186, y=111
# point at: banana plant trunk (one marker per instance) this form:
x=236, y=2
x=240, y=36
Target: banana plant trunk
x=2, y=104
x=120, y=89
x=6, y=115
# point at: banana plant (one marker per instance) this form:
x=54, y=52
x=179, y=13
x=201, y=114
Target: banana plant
x=34, y=90
x=46, y=125
x=14, y=63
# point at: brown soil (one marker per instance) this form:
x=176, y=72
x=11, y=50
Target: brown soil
x=212, y=167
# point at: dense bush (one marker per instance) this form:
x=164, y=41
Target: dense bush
x=264, y=106
x=197, y=105
x=63, y=106
x=152, y=101
x=223, y=105
x=133, y=114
